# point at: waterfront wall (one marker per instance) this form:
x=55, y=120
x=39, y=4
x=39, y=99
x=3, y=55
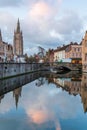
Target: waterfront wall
x=13, y=69
x=9, y=84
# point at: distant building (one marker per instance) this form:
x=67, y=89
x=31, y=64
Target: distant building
x=18, y=41
x=56, y=57
x=59, y=53
x=74, y=52
x=6, y=50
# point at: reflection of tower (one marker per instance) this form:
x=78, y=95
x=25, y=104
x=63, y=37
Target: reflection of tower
x=84, y=91
x=18, y=41
x=1, y=97
x=17, y=94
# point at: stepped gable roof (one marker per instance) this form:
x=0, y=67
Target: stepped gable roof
x=63, y=48
x=75, y=43
x=58, y=48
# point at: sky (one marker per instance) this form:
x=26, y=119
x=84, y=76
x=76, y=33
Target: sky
x=45, y=23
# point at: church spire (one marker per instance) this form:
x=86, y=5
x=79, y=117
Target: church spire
x=0, y=35
x=18, y=41
x=18, y=26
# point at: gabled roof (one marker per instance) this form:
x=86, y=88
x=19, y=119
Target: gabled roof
x=63, y=48
x=58, y=48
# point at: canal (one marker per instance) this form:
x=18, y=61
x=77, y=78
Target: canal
x=43, y=101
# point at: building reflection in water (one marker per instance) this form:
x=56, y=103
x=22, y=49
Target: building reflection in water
x=15, y=84
x=73, y=83
x=84, y=91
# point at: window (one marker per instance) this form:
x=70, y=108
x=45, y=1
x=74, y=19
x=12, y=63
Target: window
x=78, y=49
x=76, y=54
x=74, y=49
x=73, y=54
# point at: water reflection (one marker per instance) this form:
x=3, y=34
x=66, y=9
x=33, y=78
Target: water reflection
x=45, y=102
x=16, y=84
x=74, y=84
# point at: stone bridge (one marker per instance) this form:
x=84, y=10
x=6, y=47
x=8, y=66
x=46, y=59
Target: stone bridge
x=70, y=66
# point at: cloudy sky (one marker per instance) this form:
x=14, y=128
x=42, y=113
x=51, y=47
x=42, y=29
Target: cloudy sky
x=45, y=23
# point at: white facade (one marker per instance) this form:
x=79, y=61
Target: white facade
x=59, y=55
x=55, y=56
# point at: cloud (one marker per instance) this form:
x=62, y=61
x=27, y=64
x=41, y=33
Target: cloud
x=8, y=3
x=40, y=9
x=70, y=26
x=38, y=116
x=54, y=34
x=40, y=110
x=52, y=31
x=42, y=24
x=16, y=3
x=37, y=108
x=7, y=24
x=72, y=19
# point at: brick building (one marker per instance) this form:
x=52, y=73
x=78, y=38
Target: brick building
x=6, y=50
x=84, y=53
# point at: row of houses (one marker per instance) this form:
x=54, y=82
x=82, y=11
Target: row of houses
x=73, y=52
x=67, y=53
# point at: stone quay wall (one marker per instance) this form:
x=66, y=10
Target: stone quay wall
x=10, y=84
x=13, y=69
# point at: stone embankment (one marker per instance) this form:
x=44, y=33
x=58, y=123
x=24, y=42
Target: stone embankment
x=14, y=69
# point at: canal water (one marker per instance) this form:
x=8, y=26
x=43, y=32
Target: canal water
x=43, y=101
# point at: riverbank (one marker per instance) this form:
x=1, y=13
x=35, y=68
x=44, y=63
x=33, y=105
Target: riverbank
x=8, y=70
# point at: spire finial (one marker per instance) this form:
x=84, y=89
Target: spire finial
x=18, y=26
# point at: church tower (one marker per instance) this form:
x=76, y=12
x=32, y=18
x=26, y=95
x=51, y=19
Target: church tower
x=18, y=41
x=0, y=36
